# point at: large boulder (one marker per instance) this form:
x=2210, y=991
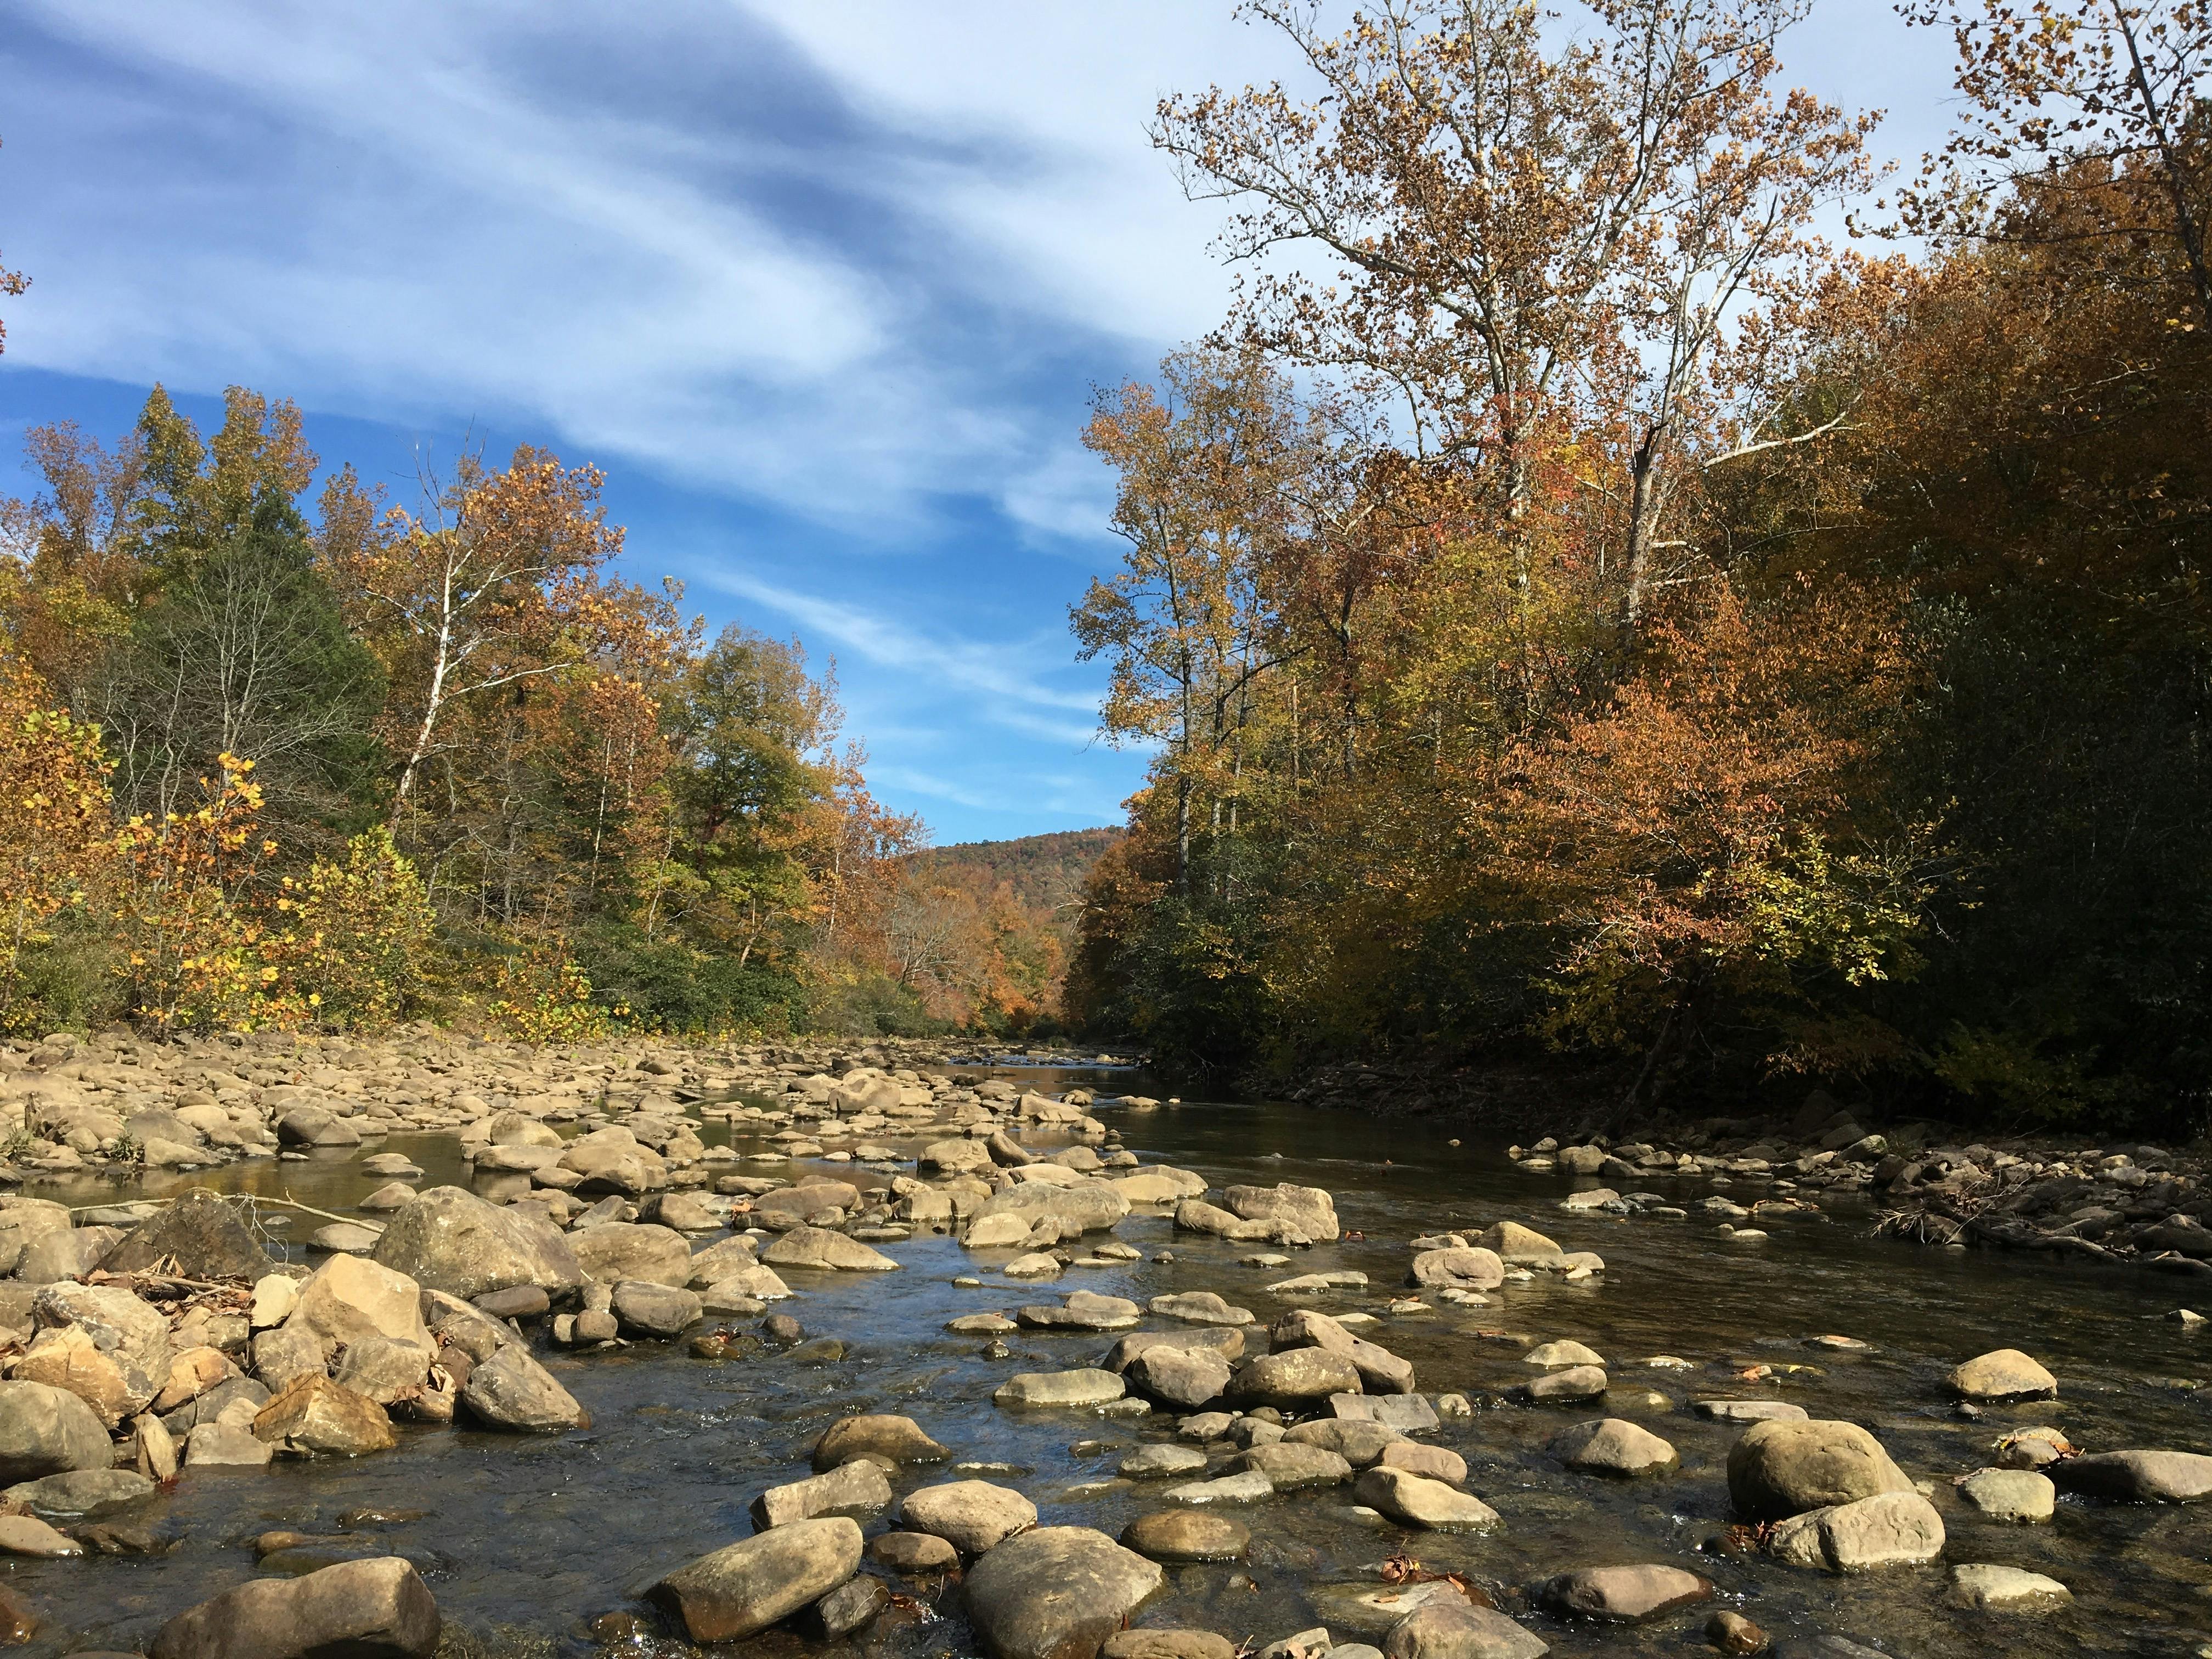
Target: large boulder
x=1517, y=1246
x=1890, y=1529
x=448, y=1239
x=616, y=1250
x=1780, y=1469
x=47, y=1431
x=1380, y=1371
x=1414, y=1500
x=1186, y=1379
x=1092, y=1206
x=1453, y=1628
x=1624, y=1596
x=1614, y=1446
x=2137, y=1477
x=1457, y=1269
x=893, y=1439
x=612, y=1160
x=2004, y=1374
x=317, y=1417
x=23, y=1221
x=200, y=1234
x=66, y=1358
x=512, y=1391
x=824, y=1251
x=349, y=1296
x=745, y=1587
x=1307, y=1210
x=1084, y=1387
x=1056, y=1593
x=377, y=1608
x=1297, y=1379
x=1181, y=1535
x=971, y=1516
x=131, y=1334
x=856, y=1489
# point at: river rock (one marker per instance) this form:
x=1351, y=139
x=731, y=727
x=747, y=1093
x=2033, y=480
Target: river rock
x=819, y=1249
x=377, y=1608
x=1226, y=1341
x=1780, y=1469
x=348, y=1297
x=2137, y=1477
x=82, y=1492
x=893, y=1439
x=1559, y=1355
x=1200, y=1308
x=1570, y=1386
x=745, y=1587
x=1289, y=1467
x=856, y=1489
x=1357, y=1444
x=47, y=1431
x=1624, y=1596
x=2020, y=1496
x=717, y=1262
x=618, y=1251
x=131, y=1334
x=512, y=1391
x=1179, y=1535
x=1437, y=1463
x=1296, y=1379
x=1517, y=1246
x=1085, y=1387
x=1307, y=1210
x=316, y=1416
x=1187, y=1379
x=378, y=1369
x=1153, y=1644
x=1089, y=1207
x=200, y=1233
x=971, y=1516
x=1380, y=1371
x=997, y=1233
x=1056, y=1593
x=653, y=1309
x=67, y=1358
x=1413, y=1500
x=913, y=1551
x=451, y=1240
x=1889, y=1529
x=218, y=1445
x=1083, y=1310
x=1161, y=1460
x=1981, y=1585
x=1456, y=1628
x=1457, y=1269
x=2005, y=1374
x=1611, y=1446
x=1245, y=1487
x=1749, y=1410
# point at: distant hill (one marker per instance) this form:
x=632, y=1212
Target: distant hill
x=1046, y=872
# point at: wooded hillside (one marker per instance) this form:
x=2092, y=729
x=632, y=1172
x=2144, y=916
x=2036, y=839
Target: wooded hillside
x=1595, y=613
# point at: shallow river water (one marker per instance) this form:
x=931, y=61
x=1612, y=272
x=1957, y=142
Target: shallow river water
x=526, y=1541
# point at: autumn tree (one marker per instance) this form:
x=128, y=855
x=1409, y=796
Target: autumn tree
x=2104, y=101
x=1524, y=229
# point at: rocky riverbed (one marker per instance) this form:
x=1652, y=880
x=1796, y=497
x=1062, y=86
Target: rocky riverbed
x=909, y=1353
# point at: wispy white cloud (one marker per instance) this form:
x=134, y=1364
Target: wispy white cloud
x=992, y=668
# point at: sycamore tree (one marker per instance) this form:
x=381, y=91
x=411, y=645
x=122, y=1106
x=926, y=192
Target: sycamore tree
x=1524, y=231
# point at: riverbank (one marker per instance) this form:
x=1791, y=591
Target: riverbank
x=2119, y=1199
x=573, y=1354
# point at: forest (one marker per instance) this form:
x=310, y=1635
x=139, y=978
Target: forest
x=341, y=762
x=1630, y=583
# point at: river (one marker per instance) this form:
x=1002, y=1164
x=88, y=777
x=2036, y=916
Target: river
x=524, y=1542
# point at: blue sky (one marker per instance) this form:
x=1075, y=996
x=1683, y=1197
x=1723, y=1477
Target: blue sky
x=824, y=285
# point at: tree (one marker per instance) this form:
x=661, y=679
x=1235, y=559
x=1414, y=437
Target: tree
x=2108, y=98
x=1522, y=227
x=245, y=653
x=499, y=580
x=59, y=848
